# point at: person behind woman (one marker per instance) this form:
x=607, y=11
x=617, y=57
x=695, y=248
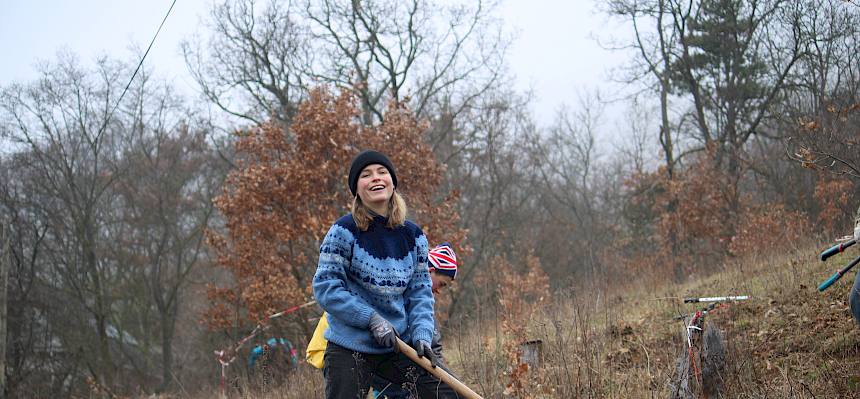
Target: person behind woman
x=443, y=271
x=373, y=282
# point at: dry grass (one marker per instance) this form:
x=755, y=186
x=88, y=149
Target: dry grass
x=788, y=341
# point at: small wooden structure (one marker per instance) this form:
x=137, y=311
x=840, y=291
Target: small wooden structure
x=531, y=353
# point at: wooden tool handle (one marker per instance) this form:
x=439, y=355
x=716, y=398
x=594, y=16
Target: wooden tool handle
x=438, y=372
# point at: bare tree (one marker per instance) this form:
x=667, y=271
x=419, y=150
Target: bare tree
x=825, y=101
x=654, y=41
x=391, y=50
x=731, y=59
x=830, y=69
x=5, y=256
x=567, y=162
x=736, y=59
x=256, y=62
x=495, y=177
x=63, y=122
x=726, y=66
x=637, y=151
x=828, y=143
x=819, y=112
x=108, y=212
x=29, y=355
x=261, y=62
x=166, y=207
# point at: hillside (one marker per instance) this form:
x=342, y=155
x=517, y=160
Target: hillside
x=787, y=341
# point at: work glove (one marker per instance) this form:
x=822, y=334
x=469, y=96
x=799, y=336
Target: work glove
x=383, y=332
x=424, y=350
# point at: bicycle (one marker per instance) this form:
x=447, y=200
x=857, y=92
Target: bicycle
x=702, y=362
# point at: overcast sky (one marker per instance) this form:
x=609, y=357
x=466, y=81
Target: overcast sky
x=555, y=53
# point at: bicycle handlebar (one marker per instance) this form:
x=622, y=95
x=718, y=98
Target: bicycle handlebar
x=715, y=302
x=836, y=249
x=717, y=299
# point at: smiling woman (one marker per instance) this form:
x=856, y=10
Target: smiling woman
x=372, y=182
x=374, y=283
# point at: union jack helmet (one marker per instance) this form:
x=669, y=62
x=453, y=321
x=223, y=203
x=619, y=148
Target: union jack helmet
x=443, y=260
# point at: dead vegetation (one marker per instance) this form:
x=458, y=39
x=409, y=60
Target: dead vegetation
x=788, y=341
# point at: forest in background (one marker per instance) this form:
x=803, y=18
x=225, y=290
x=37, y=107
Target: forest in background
x=140, y=235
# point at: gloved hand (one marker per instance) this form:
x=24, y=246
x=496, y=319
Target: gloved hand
x=424, y=349
x=383, y=332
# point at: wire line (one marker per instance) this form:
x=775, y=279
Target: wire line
x=136, y=70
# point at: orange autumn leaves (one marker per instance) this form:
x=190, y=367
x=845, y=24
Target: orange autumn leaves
x=290, y=186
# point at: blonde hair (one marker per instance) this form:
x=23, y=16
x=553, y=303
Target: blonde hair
x=363, y=215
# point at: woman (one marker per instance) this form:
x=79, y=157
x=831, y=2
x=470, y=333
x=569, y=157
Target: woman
x=373, y=281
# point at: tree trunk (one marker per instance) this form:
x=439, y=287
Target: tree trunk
x=167, y=325
x=5, y=252
x=101, y=309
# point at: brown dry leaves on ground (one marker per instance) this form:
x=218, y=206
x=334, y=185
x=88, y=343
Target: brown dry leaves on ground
x=789, y=341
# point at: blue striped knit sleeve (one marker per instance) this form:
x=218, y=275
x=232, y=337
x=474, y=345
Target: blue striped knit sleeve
x=330, y=280
x=419, y=294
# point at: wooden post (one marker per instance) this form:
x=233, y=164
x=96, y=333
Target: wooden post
x=531, y=353
x=5, y=260
x=438, y=372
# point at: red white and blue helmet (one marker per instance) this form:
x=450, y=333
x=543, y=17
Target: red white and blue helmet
x=443, y=260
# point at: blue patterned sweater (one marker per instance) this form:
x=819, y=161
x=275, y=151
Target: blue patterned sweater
x=380, y=270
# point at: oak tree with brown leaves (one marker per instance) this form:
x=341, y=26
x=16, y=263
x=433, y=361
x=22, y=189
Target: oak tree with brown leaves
x=290, y=186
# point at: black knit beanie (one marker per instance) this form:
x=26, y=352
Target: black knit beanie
x=368, y=157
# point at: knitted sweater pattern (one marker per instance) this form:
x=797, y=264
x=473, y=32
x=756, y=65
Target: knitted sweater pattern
x=380, y=270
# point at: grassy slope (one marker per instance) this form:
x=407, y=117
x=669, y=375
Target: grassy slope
x=789, y=341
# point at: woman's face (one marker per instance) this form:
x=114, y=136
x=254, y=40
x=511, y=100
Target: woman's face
x=375, y=187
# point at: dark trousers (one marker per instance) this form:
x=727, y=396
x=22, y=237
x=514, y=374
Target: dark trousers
x=389, y=390
x=854, y=299
x=382, y=388
x=348, y=374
